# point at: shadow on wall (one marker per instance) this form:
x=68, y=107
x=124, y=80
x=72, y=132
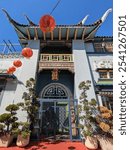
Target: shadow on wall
x=11, y=85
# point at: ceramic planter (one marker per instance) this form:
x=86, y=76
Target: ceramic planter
x=6, y=140
x=105, y=143
x=91, y=143
x=22, y=142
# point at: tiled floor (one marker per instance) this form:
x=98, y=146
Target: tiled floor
x=42, y=145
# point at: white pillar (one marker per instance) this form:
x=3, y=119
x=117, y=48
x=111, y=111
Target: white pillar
x=82, y=68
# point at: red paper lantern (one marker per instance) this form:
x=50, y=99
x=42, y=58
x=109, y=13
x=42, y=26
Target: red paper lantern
x=17, y=63
x=27, y=52
x=47, y=23
x=11, y=70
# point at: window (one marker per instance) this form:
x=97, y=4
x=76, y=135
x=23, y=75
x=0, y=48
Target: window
x=103, y=75
x=111, y=74
x=55, y=91
x=103, y=47
x=107, y=102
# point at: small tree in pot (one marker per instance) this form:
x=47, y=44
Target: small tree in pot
x=94, y=120
x=87, y=111
x=30, y=104
x=8, y=125
x=23, y=132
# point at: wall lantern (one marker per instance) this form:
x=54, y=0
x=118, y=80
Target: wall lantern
x=27, y=52
x=11, y=70
x=17, y=63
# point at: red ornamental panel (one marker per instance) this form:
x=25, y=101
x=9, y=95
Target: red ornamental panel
x=55, y=75
x=27, y=52
x=17, y=63
x=47, y=23
x=11, y=70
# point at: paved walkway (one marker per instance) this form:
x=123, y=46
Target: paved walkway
x=58, y=145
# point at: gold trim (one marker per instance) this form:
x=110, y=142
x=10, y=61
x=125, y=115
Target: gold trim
x=35, y=29
x=75, y=33
x=44, y=36
x=52, y=37
x=28, y=33
x=67, y=34
x=83, y=33
x=59, y=33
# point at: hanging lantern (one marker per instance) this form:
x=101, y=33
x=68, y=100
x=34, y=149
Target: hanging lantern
x=47, y=23
x=55, y=75
x=27, y=52
x=11, y=70
x=17, y=63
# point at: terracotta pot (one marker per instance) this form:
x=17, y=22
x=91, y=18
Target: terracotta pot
x=105, y=143
x=6, y=140
x=91, y=142
x=22, y=142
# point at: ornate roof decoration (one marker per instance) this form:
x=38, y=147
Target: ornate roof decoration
x=61, y=32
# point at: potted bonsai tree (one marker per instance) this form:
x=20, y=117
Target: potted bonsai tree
x=31, y=106
x=105, y=122
x=96, y=122
x=8, y=125
x=87, y=111
x=23, y=132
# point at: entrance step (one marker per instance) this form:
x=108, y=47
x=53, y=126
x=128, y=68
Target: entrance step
x=50, y=145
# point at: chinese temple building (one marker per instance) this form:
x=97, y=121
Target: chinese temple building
x=61, y=60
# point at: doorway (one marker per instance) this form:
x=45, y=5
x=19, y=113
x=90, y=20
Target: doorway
x=55, y=119
x=58, y=113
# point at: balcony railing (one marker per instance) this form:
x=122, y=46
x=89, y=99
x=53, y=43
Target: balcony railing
x=58, y=61
x=56, y=57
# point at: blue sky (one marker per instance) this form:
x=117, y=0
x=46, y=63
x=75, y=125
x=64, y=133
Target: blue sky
x=67, y=12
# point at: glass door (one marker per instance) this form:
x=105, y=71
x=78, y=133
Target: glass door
x=62, y=113
x=55, y=119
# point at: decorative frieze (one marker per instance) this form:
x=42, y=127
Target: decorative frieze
x=103, y=64
x=9, y=56
x=57, y=65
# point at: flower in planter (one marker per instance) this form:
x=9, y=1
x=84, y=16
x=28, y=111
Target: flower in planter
x=105, y=127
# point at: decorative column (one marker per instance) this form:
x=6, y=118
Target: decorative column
x=82, y=68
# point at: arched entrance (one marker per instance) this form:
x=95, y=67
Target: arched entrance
x=57, y=112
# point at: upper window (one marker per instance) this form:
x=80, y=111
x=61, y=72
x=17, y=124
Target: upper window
x=107, y=102
x=105, y=74
x=55, y=91
x=103, y=47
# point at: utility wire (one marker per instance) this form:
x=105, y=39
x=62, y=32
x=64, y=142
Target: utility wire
x=55, y=6
x=7, y=45
x=12, y=45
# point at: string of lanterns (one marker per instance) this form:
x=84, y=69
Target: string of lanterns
x=27, y=53
x=47, y=24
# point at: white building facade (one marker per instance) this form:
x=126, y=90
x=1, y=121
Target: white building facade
x=77, y=55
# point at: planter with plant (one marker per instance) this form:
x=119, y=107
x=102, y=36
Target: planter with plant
x=30, y=104
x=94, y=121
x=105, y=122
x=23, y=132
x=8, y=125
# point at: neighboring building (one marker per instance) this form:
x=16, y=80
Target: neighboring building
x=61, y=60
